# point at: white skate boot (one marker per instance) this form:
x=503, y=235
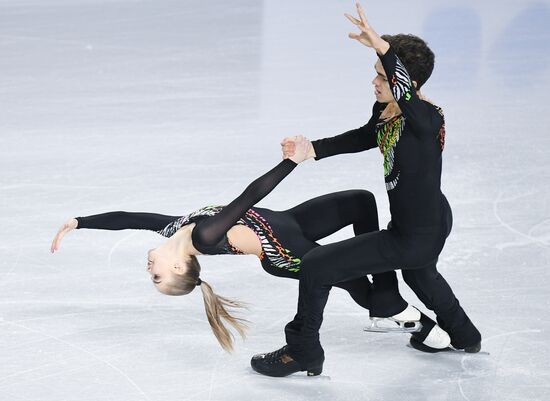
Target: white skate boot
x=407, y=321
x=431, y=338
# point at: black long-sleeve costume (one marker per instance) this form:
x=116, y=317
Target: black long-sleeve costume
x=421, y=220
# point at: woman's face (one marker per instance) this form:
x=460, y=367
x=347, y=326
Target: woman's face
x=161, y=266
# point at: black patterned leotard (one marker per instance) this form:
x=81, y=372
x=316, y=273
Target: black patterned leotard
x=277, y=257
x=285, y=236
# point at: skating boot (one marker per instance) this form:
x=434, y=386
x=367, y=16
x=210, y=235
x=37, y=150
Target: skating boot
x=407, y=321
x=431, y=338
x=279, y=364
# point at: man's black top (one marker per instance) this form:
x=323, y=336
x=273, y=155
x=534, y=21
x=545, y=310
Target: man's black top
x=411, y=144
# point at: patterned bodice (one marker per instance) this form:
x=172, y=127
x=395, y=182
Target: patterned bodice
x=273, y=252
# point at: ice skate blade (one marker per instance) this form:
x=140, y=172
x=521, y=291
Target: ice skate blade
x=297, y=377
x=418, y=345
x=393, y=326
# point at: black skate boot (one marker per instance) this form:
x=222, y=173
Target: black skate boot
x=279, y=364
x=473, y=349
x=467, y=338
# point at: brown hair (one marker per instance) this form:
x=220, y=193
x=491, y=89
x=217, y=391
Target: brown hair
x=417, y=58
x=415, y=54
x=216, y=306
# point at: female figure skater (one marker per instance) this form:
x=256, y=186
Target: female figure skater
x=279, y=239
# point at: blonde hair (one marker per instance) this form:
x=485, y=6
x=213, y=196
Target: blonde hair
x=217, y=307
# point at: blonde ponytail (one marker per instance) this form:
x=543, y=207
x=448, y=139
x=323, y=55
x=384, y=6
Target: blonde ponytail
x=217, y=311
x=216, y=307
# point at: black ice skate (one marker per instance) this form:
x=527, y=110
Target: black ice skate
x=473, y=349
x=279, y=364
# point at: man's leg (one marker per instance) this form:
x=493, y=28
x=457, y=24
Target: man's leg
x=320, y=269
x=354, y=257
x=432, y=289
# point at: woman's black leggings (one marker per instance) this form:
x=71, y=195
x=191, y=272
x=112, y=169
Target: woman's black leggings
x=324, y=215
x=351, y=259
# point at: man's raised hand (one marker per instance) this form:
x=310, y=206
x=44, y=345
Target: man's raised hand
x=367, y=36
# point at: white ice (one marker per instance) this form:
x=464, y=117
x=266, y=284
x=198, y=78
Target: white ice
x=168, y=105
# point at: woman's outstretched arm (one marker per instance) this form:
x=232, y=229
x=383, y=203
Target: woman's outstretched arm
x=211, y=230
x=114, y=221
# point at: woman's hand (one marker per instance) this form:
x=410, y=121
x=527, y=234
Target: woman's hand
x=297, y=148
x=287, y=147
x=69, y=225
x=368, y=36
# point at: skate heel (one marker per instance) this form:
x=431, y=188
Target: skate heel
x=315, y=371
x=473, y=348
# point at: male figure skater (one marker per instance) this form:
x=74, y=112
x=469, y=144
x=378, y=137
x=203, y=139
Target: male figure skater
x=410, y=133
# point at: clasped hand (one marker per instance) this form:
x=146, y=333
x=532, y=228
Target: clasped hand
x=297, y=148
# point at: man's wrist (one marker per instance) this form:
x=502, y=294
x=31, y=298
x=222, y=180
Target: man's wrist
x=382, y=47
x=311, y=152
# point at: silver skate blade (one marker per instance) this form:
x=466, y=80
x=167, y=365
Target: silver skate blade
x=389, y=325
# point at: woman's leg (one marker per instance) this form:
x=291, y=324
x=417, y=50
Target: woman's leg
x=360, y=289
x=324, y=215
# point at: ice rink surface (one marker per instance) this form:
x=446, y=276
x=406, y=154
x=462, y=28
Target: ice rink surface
x=167, y=106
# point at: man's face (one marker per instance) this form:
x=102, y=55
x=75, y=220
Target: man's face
x=381, y=86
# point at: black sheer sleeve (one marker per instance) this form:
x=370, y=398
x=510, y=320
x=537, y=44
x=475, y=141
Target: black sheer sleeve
x=211, y=230
x=125, y=221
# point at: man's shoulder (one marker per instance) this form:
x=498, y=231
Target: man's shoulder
x=432, y=105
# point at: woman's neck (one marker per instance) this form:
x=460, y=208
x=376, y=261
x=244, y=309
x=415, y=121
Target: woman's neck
x=243, y=238
x=181, y=242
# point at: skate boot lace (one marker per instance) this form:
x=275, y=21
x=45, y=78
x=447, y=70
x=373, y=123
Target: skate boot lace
x=278, y=355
